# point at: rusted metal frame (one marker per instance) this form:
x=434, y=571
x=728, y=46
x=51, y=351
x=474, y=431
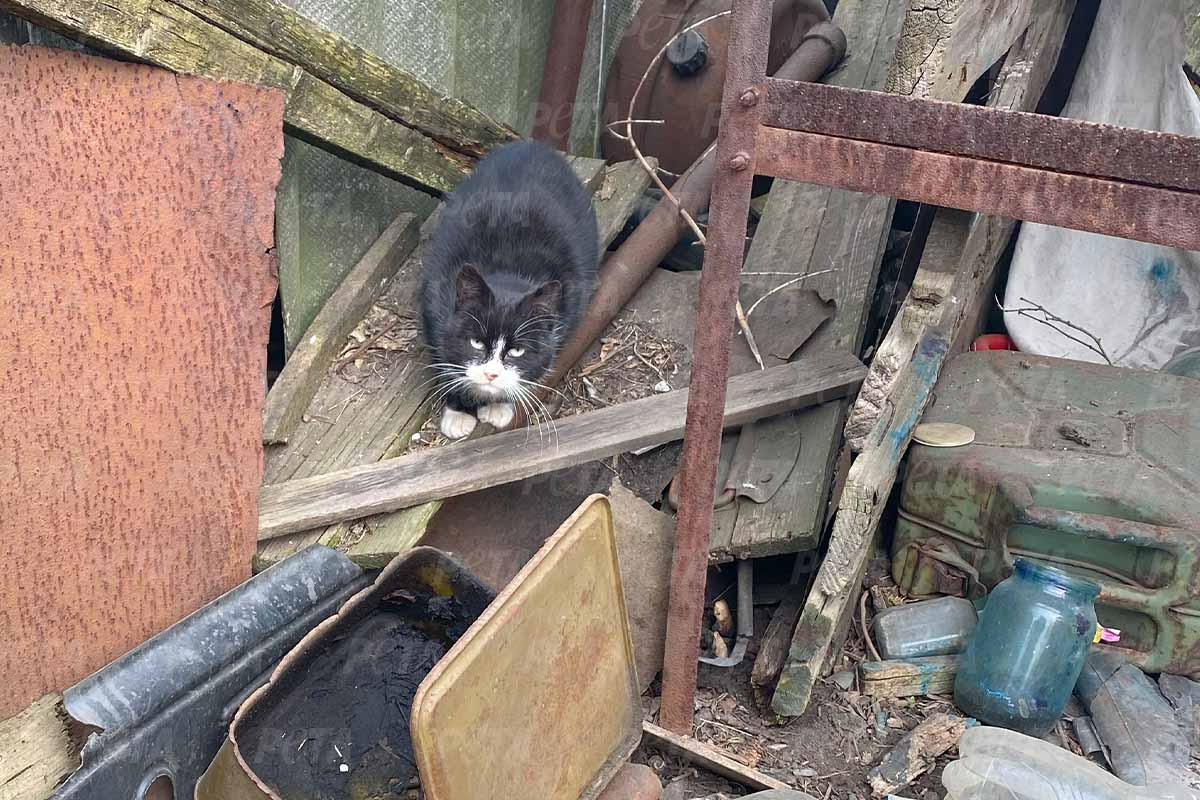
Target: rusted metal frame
x=993, y=134
x=741, y=116
x=1130, y=211
x=560, y=75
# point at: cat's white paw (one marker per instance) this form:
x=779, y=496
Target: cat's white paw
x=498, y=415
x=456, y=424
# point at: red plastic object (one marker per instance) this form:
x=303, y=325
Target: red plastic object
x=993, y=341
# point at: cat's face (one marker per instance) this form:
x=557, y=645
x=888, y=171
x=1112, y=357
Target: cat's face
x=500, y=350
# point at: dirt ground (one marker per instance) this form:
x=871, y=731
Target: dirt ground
x=827, y=752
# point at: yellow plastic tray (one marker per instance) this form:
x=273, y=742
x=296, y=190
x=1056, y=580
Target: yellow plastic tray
x=539, y=698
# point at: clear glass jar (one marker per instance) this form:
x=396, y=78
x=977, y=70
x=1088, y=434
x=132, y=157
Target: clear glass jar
x=1029, y=647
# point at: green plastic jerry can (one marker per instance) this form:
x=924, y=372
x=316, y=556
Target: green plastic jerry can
x=1088, y=468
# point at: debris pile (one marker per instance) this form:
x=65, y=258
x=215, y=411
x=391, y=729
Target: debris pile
x=852, y=472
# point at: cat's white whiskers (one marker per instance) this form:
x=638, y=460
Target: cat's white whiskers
x=532, y=320
x=525, y=409
x=446, y=374
x=544, y=412
x=543, y=386
x=442, y=391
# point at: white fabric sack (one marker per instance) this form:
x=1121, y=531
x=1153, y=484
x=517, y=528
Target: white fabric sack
x=1141, y=300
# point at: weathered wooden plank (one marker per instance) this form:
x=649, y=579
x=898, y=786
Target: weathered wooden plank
x=37, y=751
x=931, y=292
x=162, y=33
x=617, y=196
x=512, y=455
x=306, y=368
x=909, y=381
x=947, y=44
x=710, y=758
x=776, y=641
x=992, y=133
x=917, y=752
x=810, y=228
x=910, y=677
x=273, y=27
x=868, y=488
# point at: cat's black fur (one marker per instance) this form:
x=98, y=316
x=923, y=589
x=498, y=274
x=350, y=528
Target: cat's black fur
x=516, y=240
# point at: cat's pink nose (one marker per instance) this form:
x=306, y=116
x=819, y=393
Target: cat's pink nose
x=490, y=375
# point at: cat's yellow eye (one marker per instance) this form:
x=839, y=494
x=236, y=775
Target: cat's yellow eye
x=478, y=345
x=517, y=352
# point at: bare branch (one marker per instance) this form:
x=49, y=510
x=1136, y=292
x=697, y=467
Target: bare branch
x=1053, y=321
x=629, y=121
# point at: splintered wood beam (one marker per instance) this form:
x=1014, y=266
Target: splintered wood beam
x=945, y=45
x=167, y=35
x=37, y=750
x=868, y=487
x=1074, y=146
x=271, y=26
x=910, y=677
x=1080, y=202
x=710, y=758
x=464, y=467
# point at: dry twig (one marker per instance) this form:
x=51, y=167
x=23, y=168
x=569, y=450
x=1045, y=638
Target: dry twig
x=742, y=316
x=786, y=284
x=1052, y=321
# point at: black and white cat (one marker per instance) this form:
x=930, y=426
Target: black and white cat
x=508, y=273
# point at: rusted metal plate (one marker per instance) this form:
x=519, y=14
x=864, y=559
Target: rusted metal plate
x=539, y=699
x=136, y=278
x=994, y=134
x=1080, y=202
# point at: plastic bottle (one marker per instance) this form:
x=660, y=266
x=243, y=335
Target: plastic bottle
x=1028, y=649
x=999, y=764
x=938, y=627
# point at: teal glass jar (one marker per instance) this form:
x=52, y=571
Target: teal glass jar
x=1028, y=650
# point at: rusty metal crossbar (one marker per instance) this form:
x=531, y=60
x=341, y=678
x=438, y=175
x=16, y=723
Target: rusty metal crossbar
x=1117, y=181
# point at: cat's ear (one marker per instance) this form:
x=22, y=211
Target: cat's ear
x=544, y=299
x=472, y=290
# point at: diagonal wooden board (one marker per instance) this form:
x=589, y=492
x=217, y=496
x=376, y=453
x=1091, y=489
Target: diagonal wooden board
x=959, y=260
x=438, y=473
x=168, y=35
x=348, y=424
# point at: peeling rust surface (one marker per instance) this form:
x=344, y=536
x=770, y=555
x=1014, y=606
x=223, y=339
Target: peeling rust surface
x=719, y=281
x=136, y=278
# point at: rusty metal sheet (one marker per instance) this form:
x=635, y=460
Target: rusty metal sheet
x=549, y=662
x=136, y=278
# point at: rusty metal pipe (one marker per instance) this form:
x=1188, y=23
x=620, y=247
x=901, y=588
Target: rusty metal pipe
x=560, y=75
x=624, y=272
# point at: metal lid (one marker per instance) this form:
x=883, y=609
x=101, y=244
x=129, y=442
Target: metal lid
x=943, y=434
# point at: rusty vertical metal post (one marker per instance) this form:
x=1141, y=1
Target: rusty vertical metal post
x=742, y=108
x=560, y=75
